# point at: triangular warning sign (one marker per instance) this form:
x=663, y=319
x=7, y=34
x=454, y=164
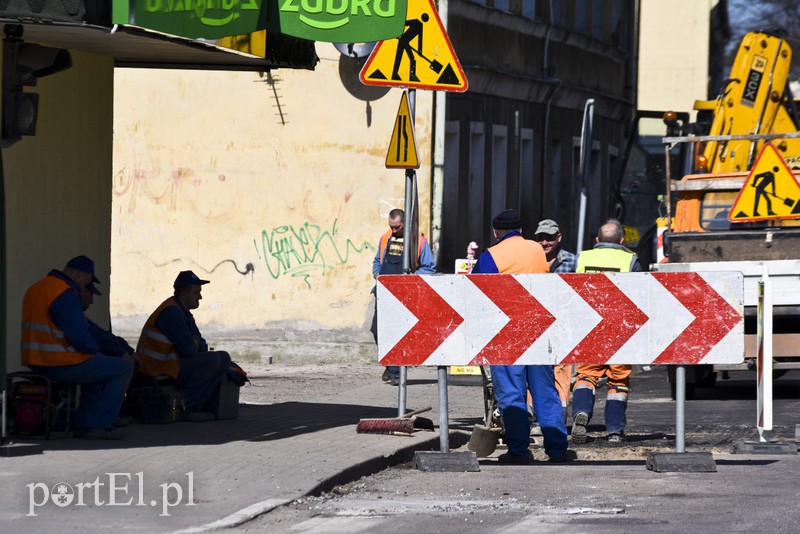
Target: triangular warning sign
x=402, y=152
x=421, y=58
x=770, y=191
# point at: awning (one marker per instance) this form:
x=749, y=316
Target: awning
x=133, y=46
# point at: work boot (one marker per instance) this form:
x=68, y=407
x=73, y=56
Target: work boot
x=568, y=456
x=197, y=417
x=506, y=458
x=579, y=434
x=616, y=437
x=99, y=433
x=387, y=375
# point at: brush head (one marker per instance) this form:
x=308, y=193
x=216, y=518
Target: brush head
x=385, y=426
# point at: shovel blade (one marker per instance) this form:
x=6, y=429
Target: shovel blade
x=483, y=440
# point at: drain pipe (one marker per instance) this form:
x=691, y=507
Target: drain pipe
x=548, y=101
x=437, y=177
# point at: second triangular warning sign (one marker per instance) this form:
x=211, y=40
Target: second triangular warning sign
x=402, y=152
x=770, y=191
x=421, y=58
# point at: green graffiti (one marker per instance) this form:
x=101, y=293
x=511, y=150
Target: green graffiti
x=302, y=251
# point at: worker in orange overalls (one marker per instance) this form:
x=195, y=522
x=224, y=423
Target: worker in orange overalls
x=608, y=255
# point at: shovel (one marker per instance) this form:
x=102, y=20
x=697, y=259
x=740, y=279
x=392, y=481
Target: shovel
x=435, y=65
x=483, y=440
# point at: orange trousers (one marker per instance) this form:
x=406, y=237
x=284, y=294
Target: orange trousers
x=618, y=375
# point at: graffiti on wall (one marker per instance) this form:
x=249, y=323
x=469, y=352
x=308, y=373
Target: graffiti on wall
x=306, y=250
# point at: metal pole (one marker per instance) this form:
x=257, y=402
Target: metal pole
x=444, y=426
x=680, y=408
x=3, y=434
x=410, y=204
x=764, y=357
x=585, y=157
x=401, y=392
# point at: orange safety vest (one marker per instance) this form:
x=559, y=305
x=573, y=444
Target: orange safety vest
x=384, y=242
x=43, y=342
x=157, y=354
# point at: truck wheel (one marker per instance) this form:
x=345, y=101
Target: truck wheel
x=690, y=391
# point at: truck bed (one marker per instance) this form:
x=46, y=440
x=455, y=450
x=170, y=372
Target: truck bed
x=735, y=245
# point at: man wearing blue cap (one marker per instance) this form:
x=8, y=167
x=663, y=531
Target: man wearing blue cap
x=57, y=343
x=171, y=344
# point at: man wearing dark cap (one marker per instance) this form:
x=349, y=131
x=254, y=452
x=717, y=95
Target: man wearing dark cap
x=513, y=254
x=57, y=343
x=171, y=344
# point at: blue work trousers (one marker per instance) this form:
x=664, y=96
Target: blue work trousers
x=103, y=380
x=199, y=377
x=511, y=384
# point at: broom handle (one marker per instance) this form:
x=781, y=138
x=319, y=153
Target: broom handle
x=416, y=412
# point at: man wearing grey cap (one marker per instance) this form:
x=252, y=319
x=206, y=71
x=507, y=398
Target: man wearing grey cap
x=549, y=236
x=171, y=344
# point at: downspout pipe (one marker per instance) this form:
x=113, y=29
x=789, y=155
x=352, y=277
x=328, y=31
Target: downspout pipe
x=437, y=174
x=548, y=100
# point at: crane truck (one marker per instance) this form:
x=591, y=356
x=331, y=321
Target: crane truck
x=675, y=198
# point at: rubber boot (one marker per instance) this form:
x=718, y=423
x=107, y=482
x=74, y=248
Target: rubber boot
x=582, y=408
x=615, y=416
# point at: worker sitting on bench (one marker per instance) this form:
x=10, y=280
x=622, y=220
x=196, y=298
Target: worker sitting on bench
x=171, y=344
x=57, y=344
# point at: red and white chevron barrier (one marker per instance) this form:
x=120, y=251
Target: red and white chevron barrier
x=608, y=318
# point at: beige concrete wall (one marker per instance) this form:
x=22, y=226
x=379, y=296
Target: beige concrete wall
x=57, y=185
x=673, y=53
x=282, y=216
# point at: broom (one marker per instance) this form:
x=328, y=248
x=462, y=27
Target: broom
x=396, y=426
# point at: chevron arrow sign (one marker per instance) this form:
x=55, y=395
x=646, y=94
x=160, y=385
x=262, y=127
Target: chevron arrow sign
x=529, y=319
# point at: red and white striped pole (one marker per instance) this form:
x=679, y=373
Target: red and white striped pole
x=764, y=356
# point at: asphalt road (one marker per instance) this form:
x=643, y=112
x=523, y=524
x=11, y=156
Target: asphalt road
x=608, y=489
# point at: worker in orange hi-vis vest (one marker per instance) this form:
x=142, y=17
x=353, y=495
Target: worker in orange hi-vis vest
x=389, y=260
x=608, y=255
x=57, y=343
x=513, y=254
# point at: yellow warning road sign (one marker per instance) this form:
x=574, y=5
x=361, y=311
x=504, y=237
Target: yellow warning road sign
x=402, y=152
x=770, y=191
x=421, y=57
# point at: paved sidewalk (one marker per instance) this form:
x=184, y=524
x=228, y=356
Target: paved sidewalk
x=198, y=476
x=295, y=436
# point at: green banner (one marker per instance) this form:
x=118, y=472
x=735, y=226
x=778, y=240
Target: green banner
x=343, y=21
x=332, y=21
x=195, y=19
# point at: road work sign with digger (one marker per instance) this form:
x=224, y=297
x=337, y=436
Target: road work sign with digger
x=770, y=191
x=421, y=57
